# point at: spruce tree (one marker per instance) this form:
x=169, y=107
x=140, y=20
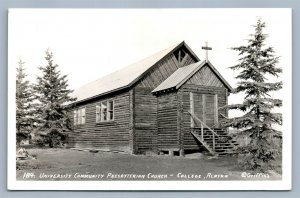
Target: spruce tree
x=52, y=94
x=24, y=99
x=256, y=64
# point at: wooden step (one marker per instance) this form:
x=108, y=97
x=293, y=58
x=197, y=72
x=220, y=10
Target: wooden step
x=220, y=143
x=216, y=138
x=207, y=146
x=224, y=146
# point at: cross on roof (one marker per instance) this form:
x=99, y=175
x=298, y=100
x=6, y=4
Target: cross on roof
x=206, y=48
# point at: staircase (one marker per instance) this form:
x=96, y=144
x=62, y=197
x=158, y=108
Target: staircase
x=216, y=141
x=223, y=144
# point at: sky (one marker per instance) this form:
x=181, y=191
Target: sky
x=90, y=43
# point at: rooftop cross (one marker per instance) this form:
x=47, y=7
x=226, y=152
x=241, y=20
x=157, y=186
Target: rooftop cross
x=206, y=48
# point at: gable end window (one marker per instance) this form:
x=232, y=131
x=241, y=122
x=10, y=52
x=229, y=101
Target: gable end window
x=105, y=111
x=79, y=116
x=179, y=55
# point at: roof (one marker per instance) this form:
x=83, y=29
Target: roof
x=125, y=77
x=181, y=75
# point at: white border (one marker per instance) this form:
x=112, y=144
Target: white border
x=284, y=184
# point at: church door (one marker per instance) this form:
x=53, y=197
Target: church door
x=205, y=107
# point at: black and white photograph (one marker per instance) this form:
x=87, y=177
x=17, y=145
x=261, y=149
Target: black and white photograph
x=150, y=99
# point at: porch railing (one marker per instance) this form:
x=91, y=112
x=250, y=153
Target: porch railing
x=202, y=125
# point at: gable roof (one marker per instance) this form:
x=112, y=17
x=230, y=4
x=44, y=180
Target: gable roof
x=125, y=77
x=181, y=75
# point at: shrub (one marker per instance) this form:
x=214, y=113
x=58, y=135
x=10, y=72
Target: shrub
x=52, y=138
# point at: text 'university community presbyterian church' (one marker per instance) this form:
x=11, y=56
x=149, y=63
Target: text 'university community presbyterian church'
x=166, y=103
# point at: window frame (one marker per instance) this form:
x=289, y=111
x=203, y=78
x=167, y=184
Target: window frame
x=106, y=112
x=110, y=111
x=98, y=113
x=79, y=117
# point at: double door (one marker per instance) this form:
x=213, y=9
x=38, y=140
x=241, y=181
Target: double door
x=205, y=107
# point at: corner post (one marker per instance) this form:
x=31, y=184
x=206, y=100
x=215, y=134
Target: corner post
x=132, y=122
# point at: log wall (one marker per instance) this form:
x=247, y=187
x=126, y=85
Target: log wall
x=145, y=122
x=111, y=135
x=146, y=111
x=168, y=137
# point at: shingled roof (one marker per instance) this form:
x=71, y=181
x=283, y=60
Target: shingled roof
x=125, y=77
x=181, y=75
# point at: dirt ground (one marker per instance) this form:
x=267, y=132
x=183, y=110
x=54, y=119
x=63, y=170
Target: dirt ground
x=67, y=164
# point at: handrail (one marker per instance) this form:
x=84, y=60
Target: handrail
x=203, y=143
x=195, y=117
x=213, y=132
x=203, y=124
x=223, y=115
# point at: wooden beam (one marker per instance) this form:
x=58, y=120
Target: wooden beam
x=132, y=121
x=216, y=121
x=179, y=122
x=192, y=108
x=204, y=108
x=184, y=59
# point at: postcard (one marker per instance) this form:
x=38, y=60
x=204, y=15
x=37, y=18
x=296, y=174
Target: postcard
x=149, y=99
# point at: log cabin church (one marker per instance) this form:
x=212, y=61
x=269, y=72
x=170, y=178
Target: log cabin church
x=166, y=103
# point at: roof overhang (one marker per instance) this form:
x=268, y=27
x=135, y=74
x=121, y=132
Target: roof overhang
x=175, y=81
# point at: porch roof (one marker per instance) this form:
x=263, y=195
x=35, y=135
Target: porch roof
x=181, y=75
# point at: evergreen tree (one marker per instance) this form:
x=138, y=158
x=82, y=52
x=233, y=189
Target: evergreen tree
x=256, y=64
x=52, y=94
x=24, y=98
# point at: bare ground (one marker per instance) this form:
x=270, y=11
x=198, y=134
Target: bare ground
x=67, y=164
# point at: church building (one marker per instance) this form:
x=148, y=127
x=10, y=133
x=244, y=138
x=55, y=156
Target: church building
x=167, y=103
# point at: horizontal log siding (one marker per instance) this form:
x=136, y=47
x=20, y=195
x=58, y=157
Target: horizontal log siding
x=112, y=135
x=145, y=103
x=131, y=121
x=145, y=123
x=188, y=141
x=167, y=121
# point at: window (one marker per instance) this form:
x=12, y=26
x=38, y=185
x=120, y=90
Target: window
x=98, y=113
x=83, y=116
x=179, y=55
x=105, y=111
x=110, y=110
x=79, y=116
x=75, y=117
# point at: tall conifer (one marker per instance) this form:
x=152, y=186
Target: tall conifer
x=24, y=99
x=52, y=94
x=257, y=63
